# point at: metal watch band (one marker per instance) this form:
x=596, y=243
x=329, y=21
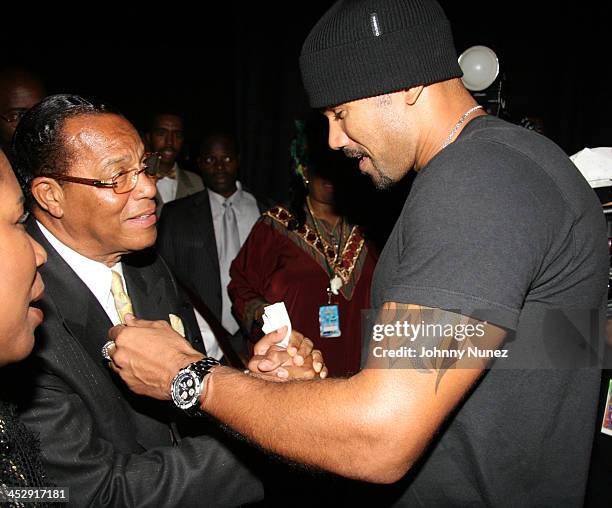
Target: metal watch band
x=201, y=368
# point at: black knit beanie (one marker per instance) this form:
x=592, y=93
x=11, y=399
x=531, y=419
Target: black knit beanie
x=364, y=48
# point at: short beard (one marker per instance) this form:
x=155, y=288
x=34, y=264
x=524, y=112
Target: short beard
x=380, y=180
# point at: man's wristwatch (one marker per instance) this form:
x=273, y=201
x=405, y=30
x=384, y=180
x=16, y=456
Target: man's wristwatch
x=188, y=384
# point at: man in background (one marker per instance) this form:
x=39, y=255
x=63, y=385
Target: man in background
x=200, y=235
x=19, y=91
x=166, y=136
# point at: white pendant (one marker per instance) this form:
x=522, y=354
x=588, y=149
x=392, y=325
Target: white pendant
x=335, y=284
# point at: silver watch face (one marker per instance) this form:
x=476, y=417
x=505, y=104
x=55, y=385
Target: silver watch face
x=186, y=389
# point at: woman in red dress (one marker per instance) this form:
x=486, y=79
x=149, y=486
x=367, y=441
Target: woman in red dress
x=310, y=257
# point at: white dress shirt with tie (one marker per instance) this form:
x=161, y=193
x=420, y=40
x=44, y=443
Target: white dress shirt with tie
x=96, y=276
x=167, y=186
x=233, y=219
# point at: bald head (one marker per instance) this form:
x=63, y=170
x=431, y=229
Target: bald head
x=19, y=91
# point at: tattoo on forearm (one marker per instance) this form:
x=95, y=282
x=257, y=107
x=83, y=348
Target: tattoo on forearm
x=425, y=339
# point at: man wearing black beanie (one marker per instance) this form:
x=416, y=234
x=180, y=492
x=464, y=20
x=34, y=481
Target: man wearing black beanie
x=499, y=239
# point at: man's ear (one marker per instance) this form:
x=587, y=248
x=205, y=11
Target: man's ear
x=49, y=195
x=412, y=95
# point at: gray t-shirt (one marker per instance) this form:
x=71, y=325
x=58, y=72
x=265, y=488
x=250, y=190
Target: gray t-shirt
x=502, y=227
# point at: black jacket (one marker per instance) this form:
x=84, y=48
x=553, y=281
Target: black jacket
x=186, y=240
x=109, y=446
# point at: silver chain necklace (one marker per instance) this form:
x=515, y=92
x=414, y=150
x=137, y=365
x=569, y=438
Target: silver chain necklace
x=457, y=125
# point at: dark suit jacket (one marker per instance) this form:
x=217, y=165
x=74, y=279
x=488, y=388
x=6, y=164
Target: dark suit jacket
x=186, y=240
x=187, y=183
x=111, y=447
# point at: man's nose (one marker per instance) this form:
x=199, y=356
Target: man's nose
x=337, y=138
x=145, y=186
x=221, y=164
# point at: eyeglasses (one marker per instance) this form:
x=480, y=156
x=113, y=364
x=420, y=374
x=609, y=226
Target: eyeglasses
x=122, y=182
x=13, y=116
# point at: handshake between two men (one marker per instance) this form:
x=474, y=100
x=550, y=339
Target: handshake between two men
x=148, y=356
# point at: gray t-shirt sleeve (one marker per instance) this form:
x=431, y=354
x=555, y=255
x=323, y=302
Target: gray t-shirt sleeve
x=465, y=244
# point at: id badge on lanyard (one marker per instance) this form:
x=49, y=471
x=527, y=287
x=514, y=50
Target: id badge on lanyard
x=329, y=321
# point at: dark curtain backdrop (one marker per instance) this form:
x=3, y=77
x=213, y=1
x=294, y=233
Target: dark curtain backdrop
x=269, y=94
x=234, y=65
x=554, y=57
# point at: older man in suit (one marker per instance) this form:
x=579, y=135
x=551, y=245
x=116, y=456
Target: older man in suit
x=94, y=213
x=200, y=235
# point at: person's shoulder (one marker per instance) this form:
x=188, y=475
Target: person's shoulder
x=248, y=196
x=494, y=155
x=523, y=160
x=497, y=141
x=182, y=204
x=22, y=450
x=191, y=176
x=277, y=214
x=262, y=203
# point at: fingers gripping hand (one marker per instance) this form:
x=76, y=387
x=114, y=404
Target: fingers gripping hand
x=148, y=354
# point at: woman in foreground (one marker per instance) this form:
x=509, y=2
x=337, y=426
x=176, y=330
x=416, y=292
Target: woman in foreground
x=20, y=285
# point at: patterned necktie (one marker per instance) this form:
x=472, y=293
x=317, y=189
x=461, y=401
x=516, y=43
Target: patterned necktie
x=229, y=247
x=123, y=304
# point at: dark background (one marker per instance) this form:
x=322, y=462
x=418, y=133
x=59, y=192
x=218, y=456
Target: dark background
x=235, y=65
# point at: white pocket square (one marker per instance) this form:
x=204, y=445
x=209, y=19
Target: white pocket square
x=177, y=324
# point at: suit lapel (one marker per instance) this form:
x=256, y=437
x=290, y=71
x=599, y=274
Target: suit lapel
x=148, y=295
x=83, y=316
x=184, y=185
x=87, y=322
x=201, y=218
x=181, y=184
x=159, y=203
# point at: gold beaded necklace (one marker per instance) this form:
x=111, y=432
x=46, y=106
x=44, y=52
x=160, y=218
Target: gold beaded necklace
x=335, y=282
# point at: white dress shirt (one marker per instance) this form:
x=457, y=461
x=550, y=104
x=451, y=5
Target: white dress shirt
x=96, y=276
x=167, y=186
x=247, y=213
x=210, y=341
